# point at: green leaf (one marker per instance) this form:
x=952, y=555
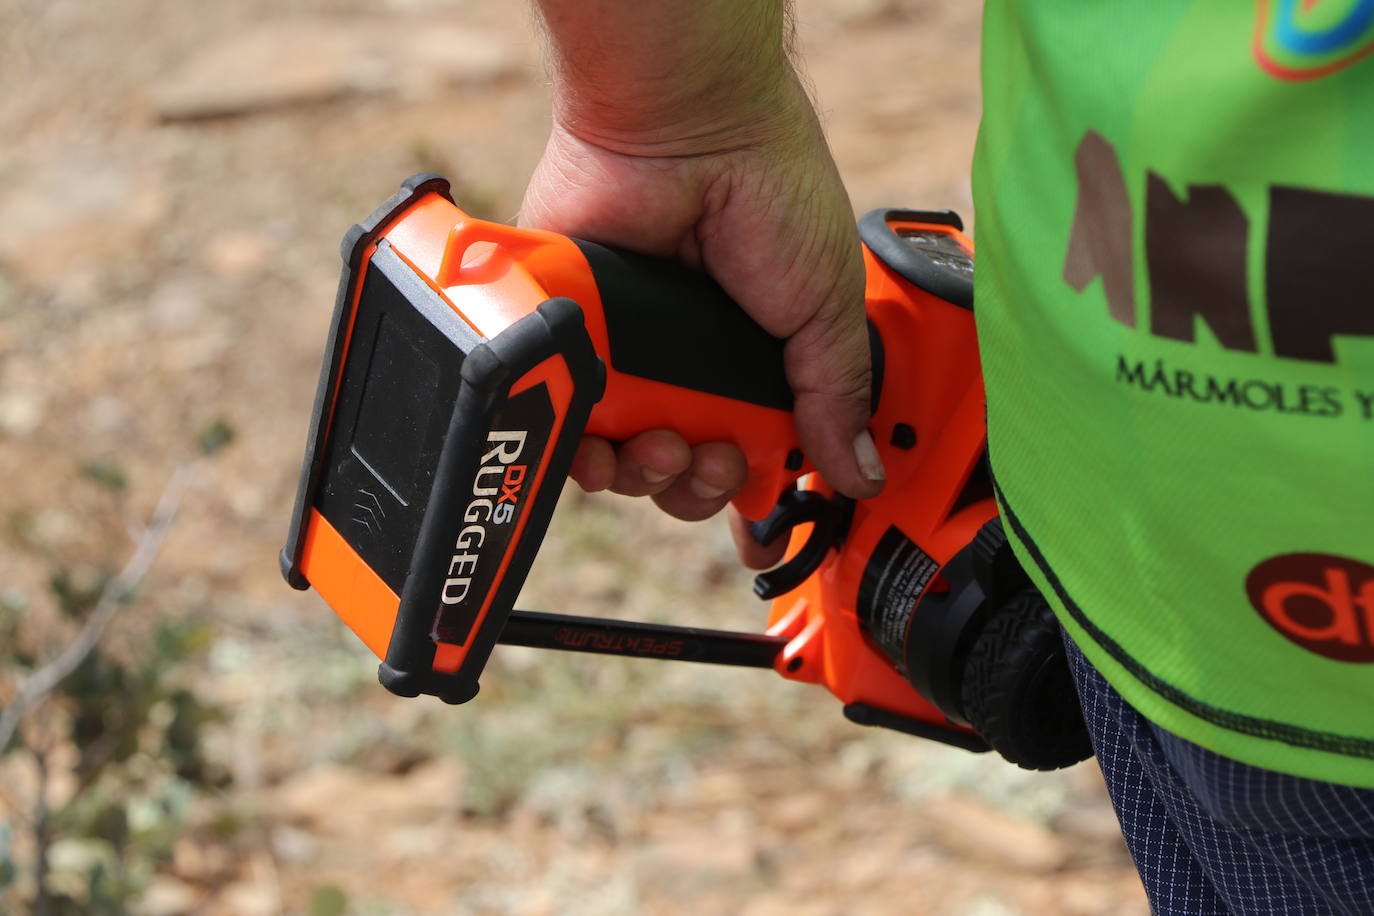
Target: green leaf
x=112, y=825
x=215, y=436
x=65, y=905
x=226, y=825
x=104, y=472
x=328, y=900
x=175, y=641
x=7, y=869
x=13, y=611
x=181, y=740
x=21, y=527
x=76, y=595
x=13, y=604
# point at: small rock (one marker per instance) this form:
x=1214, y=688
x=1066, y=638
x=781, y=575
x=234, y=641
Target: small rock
x=425, y=793
x=200, y=861
x=795, y=813
x=197, y=351
x=862, y=872
x=76, y=855
x=234, y=255
x=20, y=412
x=969, y=827
x=722, y=789
x=797, y=905
x=106, y=414
x=307, y=61
x=409, y=843
x=1094, y=823
x=9, y=296
x=249, y=900
x=55, y=528
x=311, y=796
x=293, y=845
x=168, y=896
x=696, y=853
x=989, y=906
x=1116, y=891
x=699, y=856
x=178, y=304
x=72, y=219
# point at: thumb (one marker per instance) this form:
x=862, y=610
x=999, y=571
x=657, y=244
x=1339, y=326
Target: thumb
x=829, y=368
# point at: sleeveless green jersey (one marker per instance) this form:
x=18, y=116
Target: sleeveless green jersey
x=1175, y=296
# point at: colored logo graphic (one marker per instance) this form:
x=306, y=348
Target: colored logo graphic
x=1305, y=39
x=1319, y=601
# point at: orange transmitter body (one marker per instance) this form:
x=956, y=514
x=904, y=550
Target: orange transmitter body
x=466, y=360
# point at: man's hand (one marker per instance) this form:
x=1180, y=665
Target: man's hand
x=717, y=161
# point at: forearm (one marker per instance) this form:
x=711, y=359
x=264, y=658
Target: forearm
x=681, y=130
x=635, y=74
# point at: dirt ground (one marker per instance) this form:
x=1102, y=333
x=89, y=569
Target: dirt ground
x=176, y=180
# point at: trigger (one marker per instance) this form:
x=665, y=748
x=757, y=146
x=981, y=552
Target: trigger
x=829, y=515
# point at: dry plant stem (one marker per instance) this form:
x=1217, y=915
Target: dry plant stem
x=42, y=836
x=43, y=681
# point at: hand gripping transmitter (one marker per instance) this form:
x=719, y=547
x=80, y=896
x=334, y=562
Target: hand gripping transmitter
x=467, y=358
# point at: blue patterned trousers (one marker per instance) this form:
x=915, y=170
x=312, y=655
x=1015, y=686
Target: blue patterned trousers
x=1211, y=835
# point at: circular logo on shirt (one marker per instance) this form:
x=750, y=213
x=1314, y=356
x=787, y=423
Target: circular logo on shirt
x=1322, y=602
x=1303, y=39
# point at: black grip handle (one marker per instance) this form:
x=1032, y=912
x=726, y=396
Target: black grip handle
x=676, y=325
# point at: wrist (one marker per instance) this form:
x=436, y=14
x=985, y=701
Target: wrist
x=703, y=118
x=664, y=77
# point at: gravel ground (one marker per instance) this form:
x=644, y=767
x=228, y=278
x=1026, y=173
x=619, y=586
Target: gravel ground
x=177, y=178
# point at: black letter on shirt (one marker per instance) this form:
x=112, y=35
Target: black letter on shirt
x=1100, y=243
x=1320, y=270
x=1196, y=253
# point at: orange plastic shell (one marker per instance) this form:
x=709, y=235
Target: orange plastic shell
x=493, y=275
x=351, y=588
x=934, y=386
x=553, y=373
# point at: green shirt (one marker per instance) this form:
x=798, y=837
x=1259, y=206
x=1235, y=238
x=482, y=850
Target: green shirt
x=1175, y=295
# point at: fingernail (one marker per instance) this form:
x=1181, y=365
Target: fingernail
x=866, y=453
x=704, y=490
x=653, y=477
